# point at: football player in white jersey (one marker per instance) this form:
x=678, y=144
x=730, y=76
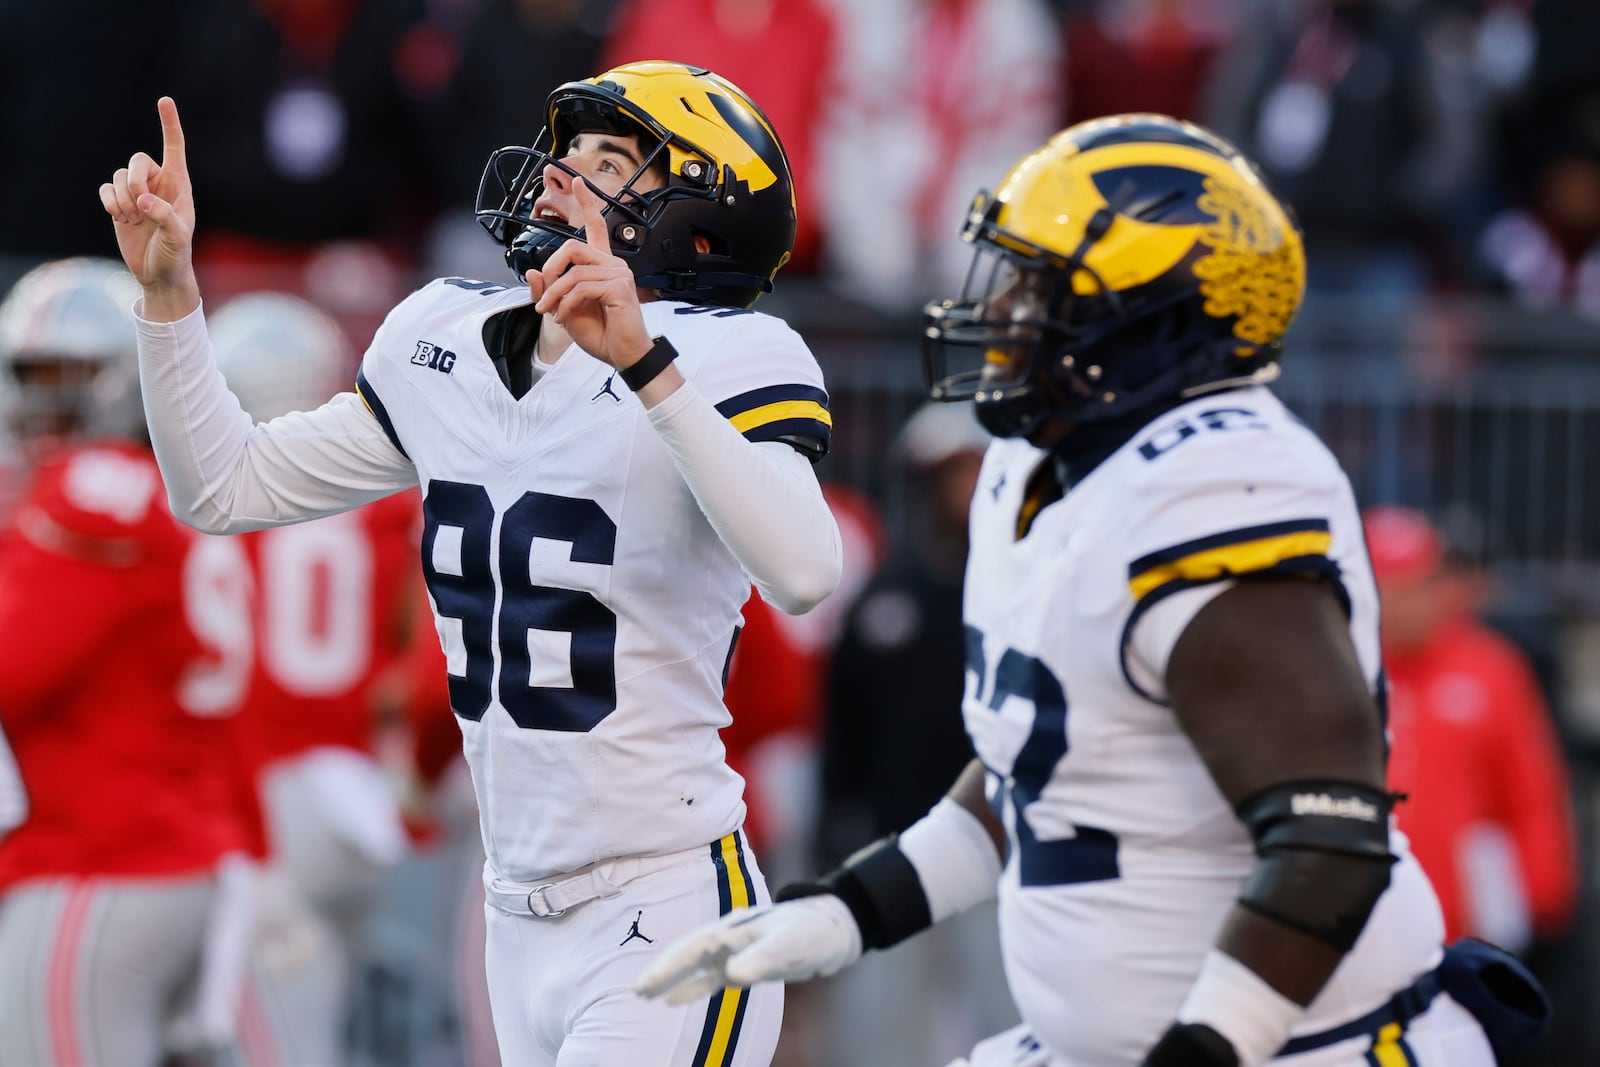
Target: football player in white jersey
x=610, y=452
x=1174, y=685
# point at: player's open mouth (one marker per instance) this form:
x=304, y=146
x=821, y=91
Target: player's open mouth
x=554, y=216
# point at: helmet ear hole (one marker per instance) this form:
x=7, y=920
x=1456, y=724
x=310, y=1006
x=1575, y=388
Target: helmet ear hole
x=709, y=244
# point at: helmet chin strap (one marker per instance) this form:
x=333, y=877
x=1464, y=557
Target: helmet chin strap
x=532, y=249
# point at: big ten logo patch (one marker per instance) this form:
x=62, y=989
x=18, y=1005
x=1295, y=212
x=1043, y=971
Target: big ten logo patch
x=432, y=356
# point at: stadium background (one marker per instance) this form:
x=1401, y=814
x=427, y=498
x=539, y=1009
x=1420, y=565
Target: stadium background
x=1443, y=155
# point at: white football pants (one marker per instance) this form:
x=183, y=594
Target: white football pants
x=1445, y=1035
x=561, y=987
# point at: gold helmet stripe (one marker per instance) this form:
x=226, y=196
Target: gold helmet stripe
x=677, y=98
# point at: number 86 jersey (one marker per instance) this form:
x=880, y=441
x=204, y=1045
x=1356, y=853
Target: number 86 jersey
x=586, y=607
x=1124, y=856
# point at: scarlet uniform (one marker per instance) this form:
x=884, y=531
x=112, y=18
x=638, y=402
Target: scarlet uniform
x=1473, y=749
x=127, y=646
x=334, y=612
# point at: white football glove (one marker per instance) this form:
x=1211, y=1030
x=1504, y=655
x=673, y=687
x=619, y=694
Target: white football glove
x=799, y=939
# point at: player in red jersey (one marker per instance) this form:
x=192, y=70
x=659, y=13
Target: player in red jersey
x=127, y=648
x=13, y=797
x=336, y=599
x=1474, y=746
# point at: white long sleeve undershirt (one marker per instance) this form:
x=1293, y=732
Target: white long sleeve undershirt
x=225, y=475
x=762, y=499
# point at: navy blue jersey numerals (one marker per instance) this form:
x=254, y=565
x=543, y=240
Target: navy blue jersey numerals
x=468, y=597
x=593, y=626
x=711, y=309
x=1090, y=854
x=464, y=590
x=1212, y=420
x=481, y=288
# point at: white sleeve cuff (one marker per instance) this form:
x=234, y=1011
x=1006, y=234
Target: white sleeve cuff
x=955, y=859
x=1239, y=1004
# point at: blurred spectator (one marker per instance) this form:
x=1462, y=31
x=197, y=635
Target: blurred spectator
x=775, y=693
x=80, y=78
x=334, y=604
x=1335, y=100
x=512, y=54
x=1143, y=55
x=1474, y=746
x=444, y=812
x=128, y=641
x=778, y=51
x=1545, y=250
x=307, y=147
x=900, y=658
x=929, y=96
x=1562, y=35
x=894, y=742
x=1479, y=61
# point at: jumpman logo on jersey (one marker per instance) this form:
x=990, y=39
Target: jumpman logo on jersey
x=633, y=932
x=999, y=484
x=606, y=390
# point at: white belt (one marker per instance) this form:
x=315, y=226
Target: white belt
x=563, y=892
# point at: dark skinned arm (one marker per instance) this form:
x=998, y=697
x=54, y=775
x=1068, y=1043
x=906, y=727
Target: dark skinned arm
x=968, y=792
x=1266, y=684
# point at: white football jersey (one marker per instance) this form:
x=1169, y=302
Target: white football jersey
x=1125, y=858
x=586, y=607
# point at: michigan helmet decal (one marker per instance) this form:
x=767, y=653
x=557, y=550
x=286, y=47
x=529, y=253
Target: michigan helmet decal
x=1130, y=261
x=727, y=183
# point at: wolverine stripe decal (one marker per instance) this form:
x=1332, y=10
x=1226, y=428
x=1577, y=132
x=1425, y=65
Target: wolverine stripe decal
x=725, y=1014
x=778, y=411
x=369, y=397
x=1390, y=1049
x=1254, y=548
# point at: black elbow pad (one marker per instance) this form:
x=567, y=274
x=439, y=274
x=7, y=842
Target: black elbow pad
x=1325, y=859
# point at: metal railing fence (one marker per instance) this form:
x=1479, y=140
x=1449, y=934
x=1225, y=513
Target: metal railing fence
x=1484, y=415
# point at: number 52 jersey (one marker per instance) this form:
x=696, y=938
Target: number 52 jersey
x=1125, y=858
x=586, y=607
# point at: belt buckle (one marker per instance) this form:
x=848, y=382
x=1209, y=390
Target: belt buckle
x=548, y=912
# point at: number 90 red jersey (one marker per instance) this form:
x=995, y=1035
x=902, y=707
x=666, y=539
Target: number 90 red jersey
x=128, y=647
x=337, y=602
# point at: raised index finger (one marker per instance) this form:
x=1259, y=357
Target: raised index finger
x=172, y=157
x=595, y=234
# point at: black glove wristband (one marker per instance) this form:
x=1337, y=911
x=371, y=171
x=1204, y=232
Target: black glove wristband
x=652, y=363
x=882, y=890
x=1191, y=1045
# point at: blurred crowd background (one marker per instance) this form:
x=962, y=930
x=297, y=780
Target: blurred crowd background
x=1443, y=157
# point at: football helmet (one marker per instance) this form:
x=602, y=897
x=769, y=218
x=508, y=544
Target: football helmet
x=279, y=353
x=1130, y=261
x=727, y=183
x=69, y=360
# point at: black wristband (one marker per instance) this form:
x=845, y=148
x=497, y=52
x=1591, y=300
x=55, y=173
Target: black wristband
x=652, y=363
x=1191, y=1045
